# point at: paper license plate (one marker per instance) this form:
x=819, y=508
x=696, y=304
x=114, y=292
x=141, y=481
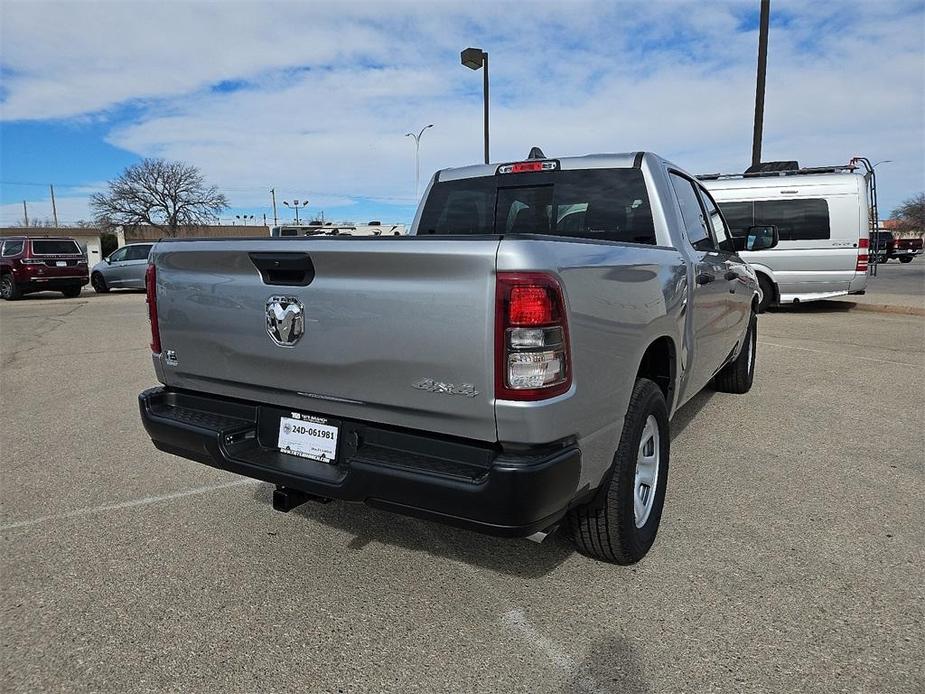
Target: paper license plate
x=308, y=437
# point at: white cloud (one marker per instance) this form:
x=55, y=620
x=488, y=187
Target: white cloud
x=324, y=92
x=71, y=209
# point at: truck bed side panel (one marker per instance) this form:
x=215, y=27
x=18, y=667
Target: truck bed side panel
x=620, y=297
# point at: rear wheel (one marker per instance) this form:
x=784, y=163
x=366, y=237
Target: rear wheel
x=737, y=376
x=906, y=259
x=767, y=293
x=71, y=292
x=99, y=284
x=620, y=525
x=8, y=289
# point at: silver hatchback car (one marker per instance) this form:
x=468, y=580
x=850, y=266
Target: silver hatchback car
x=123, y=268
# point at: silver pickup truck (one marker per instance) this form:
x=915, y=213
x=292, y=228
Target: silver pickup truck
x=511, y=364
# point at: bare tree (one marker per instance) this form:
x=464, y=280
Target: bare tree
x=167, y=195
x=36, y=223
x=911, y=214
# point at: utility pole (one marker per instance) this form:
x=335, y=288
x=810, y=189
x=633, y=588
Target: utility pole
x=25, y=213
x=762, y=73
x=54, y=209
x=273, y=193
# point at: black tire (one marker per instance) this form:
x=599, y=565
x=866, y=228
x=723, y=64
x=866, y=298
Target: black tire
x=906, y=259
x=768, y=293
x=8, y=289
x=71, y=292
x=606, y=528
x=737, y=376
x=99, y=284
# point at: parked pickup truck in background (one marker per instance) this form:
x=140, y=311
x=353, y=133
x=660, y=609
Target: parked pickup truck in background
x=904, y=249
x=511, y=364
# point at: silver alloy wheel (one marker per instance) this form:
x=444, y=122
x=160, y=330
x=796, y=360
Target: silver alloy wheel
x=6, y=287
x=646, y=479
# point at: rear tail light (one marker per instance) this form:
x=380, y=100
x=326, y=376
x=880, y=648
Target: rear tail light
x=863, y=245
x=532, y=360
x=32, y=261
x=151, y=291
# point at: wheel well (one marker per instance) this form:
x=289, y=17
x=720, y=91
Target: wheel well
x=659, y=363
x=775, y=297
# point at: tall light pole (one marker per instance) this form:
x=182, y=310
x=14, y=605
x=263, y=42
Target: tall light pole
x=417, y=158
x=475, y=58
x=763, y=26
x=295, y=206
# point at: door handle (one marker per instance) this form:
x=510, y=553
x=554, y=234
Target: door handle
x=705, y=278
x=731, y=275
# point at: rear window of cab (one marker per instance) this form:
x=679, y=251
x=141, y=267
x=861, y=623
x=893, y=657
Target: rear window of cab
x=596, y=204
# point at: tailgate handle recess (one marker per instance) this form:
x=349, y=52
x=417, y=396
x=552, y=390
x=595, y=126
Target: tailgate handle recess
x=284, y=269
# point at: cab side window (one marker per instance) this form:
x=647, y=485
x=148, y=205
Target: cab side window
x=692, y=213
x=717, y=223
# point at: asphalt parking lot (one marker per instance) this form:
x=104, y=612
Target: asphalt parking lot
x=789, y=557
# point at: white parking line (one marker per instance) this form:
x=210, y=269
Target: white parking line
x=516, y=620
x=838, y=354
x=126, y=504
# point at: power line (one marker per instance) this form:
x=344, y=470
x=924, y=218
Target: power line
x=43, y=185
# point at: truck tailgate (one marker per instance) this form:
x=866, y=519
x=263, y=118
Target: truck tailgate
x=386, y=322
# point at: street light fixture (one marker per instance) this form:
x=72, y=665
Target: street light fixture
x=475, y=58
x=295, y=206
x=417, y=158
x=244, y=218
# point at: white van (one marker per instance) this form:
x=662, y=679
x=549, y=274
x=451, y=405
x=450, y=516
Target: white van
x=823, y=215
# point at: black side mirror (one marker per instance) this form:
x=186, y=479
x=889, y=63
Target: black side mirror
x=757, y=238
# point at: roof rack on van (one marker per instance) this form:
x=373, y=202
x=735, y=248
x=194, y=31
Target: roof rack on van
x=775, y=169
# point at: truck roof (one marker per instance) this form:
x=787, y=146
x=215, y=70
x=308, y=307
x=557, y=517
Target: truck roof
x=624, y=160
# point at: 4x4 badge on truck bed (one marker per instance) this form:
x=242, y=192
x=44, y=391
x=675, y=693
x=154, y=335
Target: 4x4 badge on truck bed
x=433, y=386
x=285, y=320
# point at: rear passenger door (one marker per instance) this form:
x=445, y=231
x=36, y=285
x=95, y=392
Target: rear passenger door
x=740, y=291
x=709, y=313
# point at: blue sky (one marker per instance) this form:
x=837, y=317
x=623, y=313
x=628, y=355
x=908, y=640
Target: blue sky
x=313, y=99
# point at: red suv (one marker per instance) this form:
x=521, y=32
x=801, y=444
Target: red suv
x=37, y=264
